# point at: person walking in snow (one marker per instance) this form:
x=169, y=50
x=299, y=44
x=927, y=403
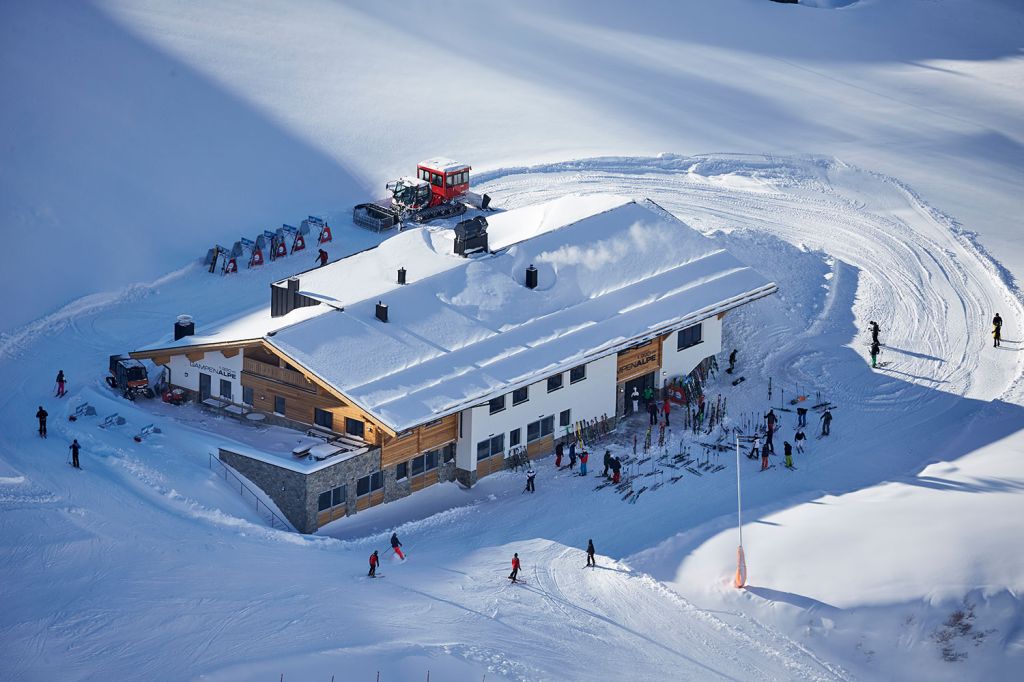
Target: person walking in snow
x=764, y=457
x=559, y=449
x=396, y=546
x=41, y=415
x=800, y=437
x=616, y=469
x=60, y=383
x=635, y=397
x=652, y=410
x=666, y=408
x=875, y=350
x=530, y=475
x=997, y=330
x=787, y=450
x=607, y=462
x=374, y=560
x=515, y=568
x=801, y=416
x=826, y=422
x=584, y=457
x=321, y=258
x=572, y=455
x=74, y=447
x=590, y=554
x=874, y=329
x=732, y=362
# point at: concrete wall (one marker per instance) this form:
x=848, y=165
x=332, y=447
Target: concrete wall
x=677, y=363
x=185, y=373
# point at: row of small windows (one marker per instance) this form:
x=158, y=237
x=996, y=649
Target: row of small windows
x=428, y=461
x=543, y=427
x=460, y=178
x=555, y=382
x=332, y=498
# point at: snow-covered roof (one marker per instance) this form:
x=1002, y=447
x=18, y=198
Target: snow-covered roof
x=443, y=165
x=611, y=271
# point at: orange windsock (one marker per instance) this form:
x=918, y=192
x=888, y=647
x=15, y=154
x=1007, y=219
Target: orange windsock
x=741, y=568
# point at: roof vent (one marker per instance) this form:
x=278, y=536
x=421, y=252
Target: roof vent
x=531, y=277
x=471, y=236
x=382, y=311
x=401, y=275
x=184, y=326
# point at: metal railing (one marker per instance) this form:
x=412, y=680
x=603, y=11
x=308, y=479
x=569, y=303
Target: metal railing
x=272, y=518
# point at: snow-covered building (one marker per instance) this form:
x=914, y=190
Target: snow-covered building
x=574, y=303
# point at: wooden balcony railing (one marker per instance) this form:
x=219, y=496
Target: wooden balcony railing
x=285, y=376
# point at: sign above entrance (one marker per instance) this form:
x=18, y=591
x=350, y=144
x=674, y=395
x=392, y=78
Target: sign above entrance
x=639, y=361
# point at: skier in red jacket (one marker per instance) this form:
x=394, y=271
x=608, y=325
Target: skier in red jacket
x=374, y=560
x=515, y=568
x=666, y=408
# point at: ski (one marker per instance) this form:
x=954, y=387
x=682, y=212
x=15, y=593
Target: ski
x=739, y=381
x=676, y=479
x=694, y=471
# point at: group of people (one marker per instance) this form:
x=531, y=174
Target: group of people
x=42, y=415
x=772, y=424
x=396, y=547
x=517, y=565
x=584, y=456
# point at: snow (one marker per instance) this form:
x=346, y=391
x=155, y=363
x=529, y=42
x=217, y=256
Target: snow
x=443, y=165
x=866, y=159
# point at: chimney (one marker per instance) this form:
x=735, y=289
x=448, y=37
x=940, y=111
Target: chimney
x=531, y=277
x=382, y=311
x=184, y=326
x=293, y=285
x=401, y=275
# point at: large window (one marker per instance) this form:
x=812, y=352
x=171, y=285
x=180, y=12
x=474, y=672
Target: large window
x=402, y=471
x=354, y=427
x=490, y=447
x=369, y=484
x=520, y=395
x=578, y=373
x=425, y=462
x=279, y=404
x=225, y=389
x=247, y=395
x=564, y=418
x=554, y=383
x=448, y=452
x=540, y=428
x=323, y=418
x=690, y=336
x=331, y=498
x=497, y=404
x=515, y=437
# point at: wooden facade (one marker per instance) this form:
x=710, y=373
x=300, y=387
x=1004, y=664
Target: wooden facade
x=489, y=466
x=540, y=447
x=328, y=515
x=408, y=444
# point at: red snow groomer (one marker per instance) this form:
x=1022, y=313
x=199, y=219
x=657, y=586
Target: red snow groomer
x=439, y=190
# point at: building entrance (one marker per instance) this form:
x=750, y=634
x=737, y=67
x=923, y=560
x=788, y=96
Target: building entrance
x=640, y=383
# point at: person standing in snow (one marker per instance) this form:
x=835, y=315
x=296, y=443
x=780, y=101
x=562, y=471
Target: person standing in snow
x=732, y=362
x=997, y=330
x=770, y=420
x=787, y=449
x=800, y=438
x=584, y=457
x=874, y=354
x=616, y=469
x=515, y=568
x=826, y=422
x=666, y=408
x=764, y=457
x=74, y=447
x=41, y=415
x=648, y=395
x=530, y=475
x=607, y=462
x=321, y=258
x=801, y=416
x=635, y=397
x=396, y=546
x=590, y=554
x=572, y=455
x=874, y=329
x=60, y=383
x=559, y=449
x=652, y=410
x=374, y=560
x=755, y=451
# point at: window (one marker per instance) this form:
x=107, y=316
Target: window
x=331, y=498
x=554, y=383
x=690, y=336
x=540, y=428
x=279, y=404
x=497, y=404
x=225, y=389
x=402, y=471
x=368, y=484
x=563, y=418
x=324, y=501
x=490, y=447
x=340, y=495
x=448, y=452
x=515, y=437
x=247, y=395
x=425, y=462
x=354, y=427
x=436, y=180
x=323, y=418
x=520, y=395
x=577, y=374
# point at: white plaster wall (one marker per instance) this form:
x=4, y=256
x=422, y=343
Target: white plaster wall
x=675, y=363
x=587, y=399
x=185, y=373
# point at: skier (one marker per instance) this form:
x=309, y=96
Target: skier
x=652, y=410
x=788, y=451
x=584, y=456
x=635, y=397
x=396, y=546
x=770, y=419
x=322, y=258
x=764, y=457
x=800, y=438
x=572, y=455
x=826, y=421
x=874, y=329
x=41, y=415
x=60, y=383
x=374, y=560
x=590, y=554
x=732, y=362
x=530, y=475
x=755, y=450
x=997, y=330
x=700, y=408
x=874, y=354
x=607, y=462
x=616, y=467
x=74, y=447
x=515, y=568
x=801, y=416
x=559, y=449
x=666, y=409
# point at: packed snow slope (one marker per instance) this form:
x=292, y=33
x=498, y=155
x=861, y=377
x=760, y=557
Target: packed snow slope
x=135, y=132
x=148, y=561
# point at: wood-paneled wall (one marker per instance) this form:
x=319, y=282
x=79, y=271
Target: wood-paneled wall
x=405, y=446
x=541, y=447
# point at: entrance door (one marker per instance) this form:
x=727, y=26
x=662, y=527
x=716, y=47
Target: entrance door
x=204, y=386
x=641, y=383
